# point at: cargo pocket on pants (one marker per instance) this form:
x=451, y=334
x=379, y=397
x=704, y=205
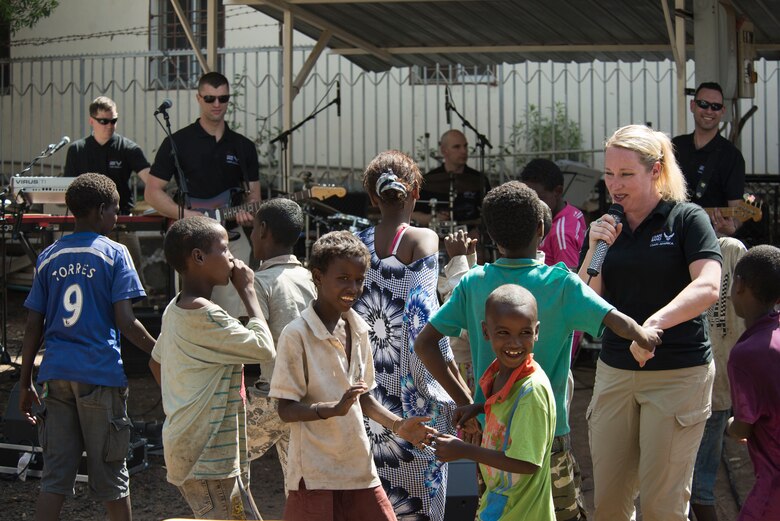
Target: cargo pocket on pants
x=686, y=438
x=196, y=493
x=118, y=442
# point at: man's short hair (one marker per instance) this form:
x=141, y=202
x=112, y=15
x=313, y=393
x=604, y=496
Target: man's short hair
x=187, y=234
x=101, y=103
x=334, y=245
x=213, y=79
x=544, y=172
x=89, y=191
x=512, y=213
x=710, y=85
x=284, y=218
x=759, y=269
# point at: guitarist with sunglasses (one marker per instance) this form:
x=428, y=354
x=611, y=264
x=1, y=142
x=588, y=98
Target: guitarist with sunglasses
x=221, y=170
x=714, y=168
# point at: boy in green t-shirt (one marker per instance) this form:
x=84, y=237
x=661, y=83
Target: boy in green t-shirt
x=514, y=217
x=519, y=415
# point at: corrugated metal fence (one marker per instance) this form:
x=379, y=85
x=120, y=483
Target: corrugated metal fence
x=560, y=110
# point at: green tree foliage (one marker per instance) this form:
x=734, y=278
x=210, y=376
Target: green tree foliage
x=19, y=14
x=543, y=134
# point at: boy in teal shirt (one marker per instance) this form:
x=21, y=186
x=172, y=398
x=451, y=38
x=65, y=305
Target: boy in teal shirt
x=519, y=415
x=514, y=216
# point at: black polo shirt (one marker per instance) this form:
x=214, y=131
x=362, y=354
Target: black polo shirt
x=210, y=167
x=117, y=159
x=727, y=182
x=647, y=268
x=470, y=187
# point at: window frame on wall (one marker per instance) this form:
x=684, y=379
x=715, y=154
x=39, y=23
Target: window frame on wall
x=454, y=74
x=175, y=70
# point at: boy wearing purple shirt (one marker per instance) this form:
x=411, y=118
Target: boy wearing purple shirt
x=754, y=366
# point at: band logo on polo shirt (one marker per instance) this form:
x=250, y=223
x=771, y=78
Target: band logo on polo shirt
x=115, y=164
x=231, y=159
x=662, y=239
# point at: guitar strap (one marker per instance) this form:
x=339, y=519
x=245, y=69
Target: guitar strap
x=706, y=176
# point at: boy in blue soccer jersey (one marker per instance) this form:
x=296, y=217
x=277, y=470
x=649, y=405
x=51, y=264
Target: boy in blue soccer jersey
x=81, y=299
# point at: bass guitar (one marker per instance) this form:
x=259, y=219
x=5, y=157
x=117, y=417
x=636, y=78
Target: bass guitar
x=742, y=212
x=220, y=209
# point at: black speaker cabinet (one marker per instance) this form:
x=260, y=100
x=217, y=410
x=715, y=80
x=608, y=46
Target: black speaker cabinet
x=136, y=362
x=15, y=427
x=462, y=491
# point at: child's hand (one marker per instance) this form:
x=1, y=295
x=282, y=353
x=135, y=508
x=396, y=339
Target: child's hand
x=348, y=400
x=462, y=415
x=651, y=337
x=459, y=243
x=448, y=447
x=641, y=355
x=412, y=430
x=242, y=275
x=27, y=397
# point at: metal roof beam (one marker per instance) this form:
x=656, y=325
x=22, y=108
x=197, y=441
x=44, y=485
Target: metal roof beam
x=311, y=60
x=185, y=24
x=298, y=12
x=327, y=2
x=493, y=49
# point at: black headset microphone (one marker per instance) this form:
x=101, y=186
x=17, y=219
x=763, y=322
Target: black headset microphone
x=594, y=268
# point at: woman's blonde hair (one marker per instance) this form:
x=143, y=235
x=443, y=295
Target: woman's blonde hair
x=653, y=146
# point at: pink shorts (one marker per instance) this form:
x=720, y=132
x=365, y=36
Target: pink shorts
x=338, y=505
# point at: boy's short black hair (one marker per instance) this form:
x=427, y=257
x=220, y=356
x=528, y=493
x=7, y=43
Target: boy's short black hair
x=89, y=191
x=547, y=219
x=513, y=294
x=759, y=269
x=336, y=244
x=284, y=218
x=187, y=234
x=544, y=172
x=710, y=85
x=512, y=213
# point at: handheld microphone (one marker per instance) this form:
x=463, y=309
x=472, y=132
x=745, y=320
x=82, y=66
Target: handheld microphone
x=64, y=141
x=165, y=105
x=447, y=105
x=338, y=98
x=594, y=268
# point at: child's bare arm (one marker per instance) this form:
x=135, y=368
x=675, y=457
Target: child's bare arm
x=449, y=448
x=293, y=411
x=131, y=327
x=243, y=279
x=33, y=333
x=427, y=348
x=739, y=429
x=154, y=367
x=623, y=325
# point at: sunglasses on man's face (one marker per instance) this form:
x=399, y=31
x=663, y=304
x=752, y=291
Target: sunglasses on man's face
x=211, y=99
x=106, y=121
x=704, y=105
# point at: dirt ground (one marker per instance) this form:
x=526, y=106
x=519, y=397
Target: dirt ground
x=154, y=499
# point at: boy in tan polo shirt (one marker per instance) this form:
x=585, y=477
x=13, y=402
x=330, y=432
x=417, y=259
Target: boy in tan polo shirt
x=324, y=370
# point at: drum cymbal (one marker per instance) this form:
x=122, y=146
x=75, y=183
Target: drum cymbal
x=439, y=182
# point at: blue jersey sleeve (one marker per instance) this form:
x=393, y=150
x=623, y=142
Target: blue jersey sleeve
x=125, y=285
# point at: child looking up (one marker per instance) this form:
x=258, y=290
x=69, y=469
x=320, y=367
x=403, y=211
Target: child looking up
x=81, y=298
x=201, y=351
x=519, y=415
x=324, y=370
x=754, y=366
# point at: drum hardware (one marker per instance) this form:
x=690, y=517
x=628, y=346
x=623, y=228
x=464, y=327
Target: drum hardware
x=353, y=223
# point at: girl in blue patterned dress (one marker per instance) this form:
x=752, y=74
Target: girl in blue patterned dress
x=398, y=297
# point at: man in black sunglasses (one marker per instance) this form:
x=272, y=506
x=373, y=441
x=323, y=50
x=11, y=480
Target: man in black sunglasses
x=221, y=169
x=106, y=152
x=713, y=167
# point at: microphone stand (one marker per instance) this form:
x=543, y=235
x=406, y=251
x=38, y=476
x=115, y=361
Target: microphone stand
x=5, y=358
x=285, y=136
x=182, y=191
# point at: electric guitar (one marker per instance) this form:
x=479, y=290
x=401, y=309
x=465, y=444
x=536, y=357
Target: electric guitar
x=220, y=209
x=742, y=212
